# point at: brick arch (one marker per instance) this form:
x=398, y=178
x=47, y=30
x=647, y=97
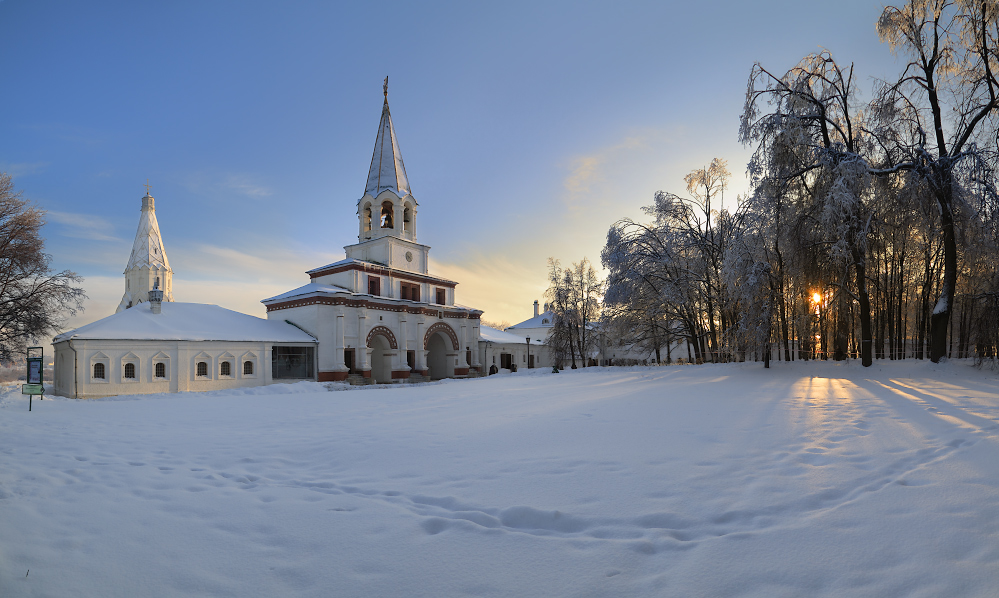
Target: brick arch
x=441, y=327
x=384, y=332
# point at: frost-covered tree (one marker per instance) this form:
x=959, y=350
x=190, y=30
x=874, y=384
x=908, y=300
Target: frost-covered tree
x=574, y=298
x=34, y=300
x=677, y=259
x=939, y=116
x=810, y=142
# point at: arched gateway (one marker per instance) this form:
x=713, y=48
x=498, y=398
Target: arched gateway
x=441, y=343
x=379, y=313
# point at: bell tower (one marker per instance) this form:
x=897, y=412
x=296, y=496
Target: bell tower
x=148, y=267
x=386, y=213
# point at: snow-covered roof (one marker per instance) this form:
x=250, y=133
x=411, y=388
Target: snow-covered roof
x=493, y=335
x=465, y=307
x=537, y=321
x=310, y=290
x=349, y=261
x=387, y=170
x=188, y=322
x=147, y=248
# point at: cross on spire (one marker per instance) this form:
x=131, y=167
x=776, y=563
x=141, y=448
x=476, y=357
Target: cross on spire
x=385, y=89
x=147, y=186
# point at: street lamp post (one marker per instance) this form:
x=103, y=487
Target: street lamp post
x=528, y=352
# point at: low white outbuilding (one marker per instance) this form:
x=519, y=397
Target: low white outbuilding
x=499, y=350
x=179, y=347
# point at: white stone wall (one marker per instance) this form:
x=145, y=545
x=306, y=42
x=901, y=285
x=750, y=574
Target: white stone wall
x=338, y=327
x=180, y=360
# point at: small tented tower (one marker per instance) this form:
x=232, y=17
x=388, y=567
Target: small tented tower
x=148, y=266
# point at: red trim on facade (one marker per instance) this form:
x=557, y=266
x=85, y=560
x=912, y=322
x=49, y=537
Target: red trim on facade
x=460, y=371
x=382, y=330
x=440, y=327
x=420, y=311
x=400, y=375
x=383, y=271
x=366, y=373
x=332, y=376
x=425, y=373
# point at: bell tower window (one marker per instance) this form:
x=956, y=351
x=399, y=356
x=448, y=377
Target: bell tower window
x=386, y=219
x=407, y=219
x=366, y=218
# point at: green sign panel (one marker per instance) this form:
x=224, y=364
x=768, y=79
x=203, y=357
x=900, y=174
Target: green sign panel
x=32, y=389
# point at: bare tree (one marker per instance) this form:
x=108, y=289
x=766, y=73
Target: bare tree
x=587, y=290
x=33, y=299
x=940, y=108
x=561, y=337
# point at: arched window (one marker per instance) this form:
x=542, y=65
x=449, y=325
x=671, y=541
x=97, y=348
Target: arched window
x=130, y=370
x=99, y=371
x=247, y=368
x=407, y=219
x=225, y=368
x=366, y=218
x=202, y=368
x=161, y=370
x=387, y=209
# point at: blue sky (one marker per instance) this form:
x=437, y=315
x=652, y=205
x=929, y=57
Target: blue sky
x=527, y=128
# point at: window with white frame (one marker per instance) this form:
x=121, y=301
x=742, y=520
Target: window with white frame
x=248, y=364
x=100, y=368
x=130, y=368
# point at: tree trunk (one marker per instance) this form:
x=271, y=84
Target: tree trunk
x=864, y=306
x=945, y=304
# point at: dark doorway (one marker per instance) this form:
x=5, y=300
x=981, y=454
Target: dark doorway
x=348, y=360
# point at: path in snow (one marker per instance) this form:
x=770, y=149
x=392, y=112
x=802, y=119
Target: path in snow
x=803, y=480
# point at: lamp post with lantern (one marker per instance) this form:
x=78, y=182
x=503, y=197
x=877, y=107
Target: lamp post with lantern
x=528, y=352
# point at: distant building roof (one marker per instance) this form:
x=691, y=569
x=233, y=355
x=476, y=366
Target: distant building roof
x=187, y=322
x=493, y=335
x=543, y=320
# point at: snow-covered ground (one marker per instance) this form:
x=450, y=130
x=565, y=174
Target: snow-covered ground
x=808, y=479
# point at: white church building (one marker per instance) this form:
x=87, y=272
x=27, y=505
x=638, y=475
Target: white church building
x=152, y=344
x=379, y=314
x=376, y=316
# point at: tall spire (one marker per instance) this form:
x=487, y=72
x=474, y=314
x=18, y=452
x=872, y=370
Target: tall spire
x=148, y=266
x=387, y=170
x=147, y=249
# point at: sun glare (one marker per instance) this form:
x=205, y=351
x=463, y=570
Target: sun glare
x=816, y=297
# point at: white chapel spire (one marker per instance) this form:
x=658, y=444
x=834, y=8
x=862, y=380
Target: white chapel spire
x=387, y=170
x=148, y=266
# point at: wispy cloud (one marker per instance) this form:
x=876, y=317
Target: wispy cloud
x=263, y=263
x=19, y=169
x=591, y=175
x=83, y=226
x=243, y=184
x=501, y=288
